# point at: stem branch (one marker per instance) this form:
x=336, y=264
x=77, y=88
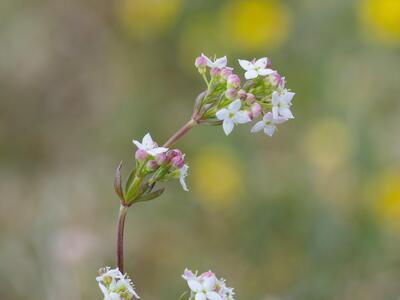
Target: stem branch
x=180, y=133
x=120, y=238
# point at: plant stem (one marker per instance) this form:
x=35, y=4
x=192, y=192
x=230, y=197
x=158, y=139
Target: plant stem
x=120, y=237
x=180, y=133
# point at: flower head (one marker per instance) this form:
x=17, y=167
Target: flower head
x=255, y=68
x=232, y=115
x=281, y=102
x=115, y=285
x=149, y=145
x=207, y=286
x=268, y=124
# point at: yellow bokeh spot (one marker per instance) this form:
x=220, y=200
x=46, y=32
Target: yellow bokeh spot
x=252, y=25
x=382, y=19
x=328, y=144
x=147, y=18
x=216, y=177
x=387, y=196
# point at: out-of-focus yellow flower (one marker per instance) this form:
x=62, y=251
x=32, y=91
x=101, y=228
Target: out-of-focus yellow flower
x=252, y=25
x=385, y=189
x=216, y=177
x=328, y=144
x=382, y=19
x=147, y=18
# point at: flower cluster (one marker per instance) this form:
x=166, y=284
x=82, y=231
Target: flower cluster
x=207, y=286
x=229, y=102
x=115, y=285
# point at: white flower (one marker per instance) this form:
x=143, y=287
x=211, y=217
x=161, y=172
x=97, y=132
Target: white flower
x=115, y=285
x=217, y=63
x=232, y=115
x=183, y=172
x=207, y=286
x=255, y=68
x=268, y=124
x=281, y=102
x=149, y=145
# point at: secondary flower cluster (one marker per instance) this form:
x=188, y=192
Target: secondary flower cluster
x=115, y=285
x=207, y=286
x=262, y=95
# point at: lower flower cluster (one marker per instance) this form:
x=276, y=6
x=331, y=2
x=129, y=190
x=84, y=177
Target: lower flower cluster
x=115, y=285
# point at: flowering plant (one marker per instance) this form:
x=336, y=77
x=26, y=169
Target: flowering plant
x=226, y=101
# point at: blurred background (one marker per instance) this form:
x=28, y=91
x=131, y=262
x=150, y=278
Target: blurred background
x=312, y=213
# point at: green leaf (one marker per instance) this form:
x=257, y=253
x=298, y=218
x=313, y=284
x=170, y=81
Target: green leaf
x=130, y=179
x=150, y=196
x=117, y=182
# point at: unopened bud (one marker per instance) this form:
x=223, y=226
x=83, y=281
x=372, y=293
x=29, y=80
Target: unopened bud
x=225, y=72
x=233, y=81
x=141, y=154
x=178, y=161
x=152, y=165
x=215, y=71
x=161, y=158
x=242, y=95
x=200, y=62
x=256, y=110
x=250, y=98
x=174, y=152
x=269, y=63
x=231, y=93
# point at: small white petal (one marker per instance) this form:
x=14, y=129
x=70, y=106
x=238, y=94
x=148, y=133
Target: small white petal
x=245, y=64
x=287, y=97
x=261, y=63
x=147, y=141
x=213, y=296
x=235, y=105
x=157, y=150
x=221, y=62
x=222, y=114
x=188, y=275
x=275, y=112
x=194, y=285
x=265, y=72
x=275, y=98
x=286, y=113
x=251, y=74
x=138, y=144
x=228, y=126
x=209, y=283
x=200, y=296
x=258, y=127
x=269, y=130
x=242, y=117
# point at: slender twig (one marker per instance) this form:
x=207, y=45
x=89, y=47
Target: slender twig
x=120, y=237
x=180, y=133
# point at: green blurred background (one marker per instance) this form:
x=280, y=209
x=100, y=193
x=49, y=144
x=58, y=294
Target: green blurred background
x=312, y=213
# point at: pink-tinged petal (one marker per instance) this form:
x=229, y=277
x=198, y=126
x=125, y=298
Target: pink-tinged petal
x=147, y=141
x=213, y=296
x=286, y=113
x=242, y=117
x=269, y=130
x=276, y=98
x=265, y=72
x=235, y=105
x=138, y=144
x=228, y=126
x=209, y=61
x=275, y=112
x=156, y=151
x=200, y=296
x=245, y=64
x=188, y=275
x=258, y=127
x=280, y=120
x=268, y=117
x=262, y=62
x=287, y=97
x=251, y=74
x=195, y=286
x=209, y=283
x=222, y=114
x=221, y=62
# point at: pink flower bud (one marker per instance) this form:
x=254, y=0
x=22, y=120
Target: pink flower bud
x=269, y=63
x=200, y=62
x=276, y=80
x=215, y=71
x=225, y=72
x=231, y=93
x=250, y=98
x=242, y=95
x=256, y=109
x=233, y=81
x=161, y=158
x=178, y=161
x=173, y=153
x=152, y=165
x=141, y=154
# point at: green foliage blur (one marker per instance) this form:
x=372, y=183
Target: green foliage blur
x=312, y=213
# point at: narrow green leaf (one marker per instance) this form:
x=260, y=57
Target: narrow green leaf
x=117, y=182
